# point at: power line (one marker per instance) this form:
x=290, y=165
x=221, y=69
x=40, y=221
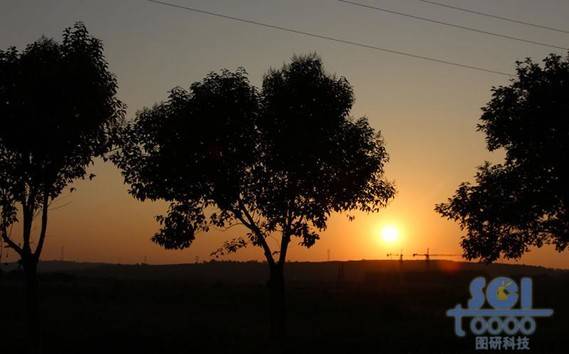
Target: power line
x=471, y=29
x=509, y=19
x=333, y=39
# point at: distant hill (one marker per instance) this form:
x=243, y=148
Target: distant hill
x=57, y=266
x=257, y=272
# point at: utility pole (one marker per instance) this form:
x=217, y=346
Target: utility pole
x=328, y=255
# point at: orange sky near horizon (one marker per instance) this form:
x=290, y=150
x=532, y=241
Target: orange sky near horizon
x=427, y=112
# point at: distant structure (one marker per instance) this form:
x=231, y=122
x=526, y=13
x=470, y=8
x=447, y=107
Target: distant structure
x=429, y=255
x=62, y=253
x=400, y=255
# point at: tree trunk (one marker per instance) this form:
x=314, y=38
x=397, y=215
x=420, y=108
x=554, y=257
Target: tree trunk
x=277, y=303
x=32, y=307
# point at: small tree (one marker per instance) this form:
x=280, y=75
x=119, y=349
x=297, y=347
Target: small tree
x=278, y=162
x=57, y=110
x=523, y=202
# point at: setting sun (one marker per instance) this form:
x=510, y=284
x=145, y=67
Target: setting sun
x=389, y=234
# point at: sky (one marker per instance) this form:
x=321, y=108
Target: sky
x=427, y=112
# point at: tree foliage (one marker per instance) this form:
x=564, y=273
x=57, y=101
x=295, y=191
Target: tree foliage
x=280, y=160
x=523, y=202
x=58, y=111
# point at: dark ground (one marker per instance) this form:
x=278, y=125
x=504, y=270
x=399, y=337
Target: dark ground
x=222, y=307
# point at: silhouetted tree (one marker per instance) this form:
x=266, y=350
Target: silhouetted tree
x=523, y=202
x=57, y=112
x=278, y=162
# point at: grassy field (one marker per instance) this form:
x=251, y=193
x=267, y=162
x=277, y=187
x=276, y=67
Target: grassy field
x=222, y=307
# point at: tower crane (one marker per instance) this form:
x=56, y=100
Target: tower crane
x=428, y=255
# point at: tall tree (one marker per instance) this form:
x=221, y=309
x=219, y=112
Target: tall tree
x=278, y=162
x=58, y=111
x=523, y=202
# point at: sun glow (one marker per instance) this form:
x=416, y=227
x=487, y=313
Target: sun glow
x=389, y=234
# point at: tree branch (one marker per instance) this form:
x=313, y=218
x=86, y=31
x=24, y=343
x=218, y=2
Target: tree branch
x=43, y=230
x=285, y=239
x=28, y=207
x=250, y=223
x=11, y=243
x=230, y=227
